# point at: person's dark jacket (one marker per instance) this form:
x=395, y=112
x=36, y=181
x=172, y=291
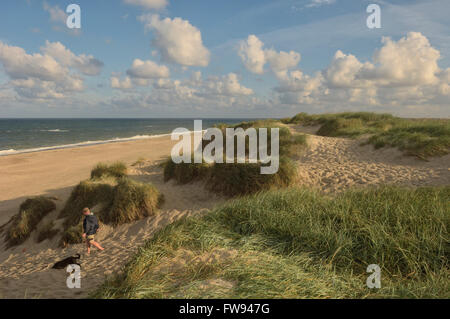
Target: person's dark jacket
x=90, y=224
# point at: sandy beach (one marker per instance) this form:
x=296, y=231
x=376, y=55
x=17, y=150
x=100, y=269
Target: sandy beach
x=331, y=164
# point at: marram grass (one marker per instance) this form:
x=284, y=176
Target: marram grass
x=116, y=200
x=117, y=170
x=25, y=221
x=422, y=138
x=297, y=243
x=238, y=179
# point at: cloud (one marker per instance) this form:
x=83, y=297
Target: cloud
x=226, y=86
x=56, y=13
x=20, y=65
x=402, y=77
x=194, y=92
x=254, y=57
x=319, y=3
x=87, y=65
x=177, y=40
x=409, y=61
x=148, y=70
x=343, y=70
x=403, y=73
x=141, y=73
x=148, y=4
x=48, y=75
x=252, y=54
x=116, y=83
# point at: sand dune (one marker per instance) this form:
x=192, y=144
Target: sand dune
x=335, y=164
x=331, y=164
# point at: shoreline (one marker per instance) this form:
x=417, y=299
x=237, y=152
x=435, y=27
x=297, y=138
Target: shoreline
x=11, y=152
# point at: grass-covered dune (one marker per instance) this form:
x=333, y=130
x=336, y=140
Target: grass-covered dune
x=418, y=137
x=116, y=170
x=234, y=179
x=297, y=243
x=117, y=200
x=25, y=221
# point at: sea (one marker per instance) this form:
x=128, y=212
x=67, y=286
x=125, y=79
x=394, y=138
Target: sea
x=33, y=135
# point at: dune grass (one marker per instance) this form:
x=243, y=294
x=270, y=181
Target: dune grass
x=30, y=214
x=89, y=193
x=72, y=235
x=132, y=201
x=117, y=170
x=419, y=139
x=236, y=179
x=423, y=138
x=185, y=173
x=297, y=243
x=114, y=199
x=243, y=179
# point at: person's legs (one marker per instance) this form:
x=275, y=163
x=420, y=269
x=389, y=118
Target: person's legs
x=95, y=244
x=88, y=244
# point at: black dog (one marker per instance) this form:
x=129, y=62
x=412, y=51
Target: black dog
x=66, y=262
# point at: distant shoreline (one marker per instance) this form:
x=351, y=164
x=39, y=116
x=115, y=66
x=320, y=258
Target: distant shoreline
x=35, y=135
x=81, y=144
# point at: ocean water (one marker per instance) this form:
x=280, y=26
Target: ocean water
x=30, y=135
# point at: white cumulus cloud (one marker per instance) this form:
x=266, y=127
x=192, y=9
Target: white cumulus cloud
x=48, y=75
x=148, y=4
x=141, y=73
x=86, y=64
x=403, y=73
x=177, y=40
x=148, y=70
x=254, y=57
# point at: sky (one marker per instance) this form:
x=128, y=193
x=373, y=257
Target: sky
x=227, y=59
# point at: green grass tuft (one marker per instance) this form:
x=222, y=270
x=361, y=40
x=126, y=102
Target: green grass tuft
x=242, y=179
x=185, y=173
x=297, y=243
x=236, y=179
x=89, y=193
x=117, y=170
x=30, y=214
x=72, y=235
x=132, y=201
x=117, y=200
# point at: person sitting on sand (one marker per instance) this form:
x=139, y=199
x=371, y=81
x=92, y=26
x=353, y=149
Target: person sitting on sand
x=90, y=227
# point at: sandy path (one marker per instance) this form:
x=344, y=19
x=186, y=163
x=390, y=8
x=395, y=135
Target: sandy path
x=335, y=164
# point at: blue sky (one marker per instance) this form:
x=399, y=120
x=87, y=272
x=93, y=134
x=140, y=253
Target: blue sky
x=212, y=72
